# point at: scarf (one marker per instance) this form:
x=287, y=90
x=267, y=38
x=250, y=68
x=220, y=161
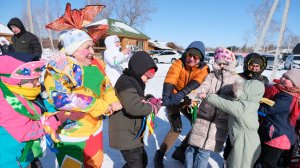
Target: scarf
x=28, y=93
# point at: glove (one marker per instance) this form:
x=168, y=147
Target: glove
x=148, y=97
x=176, y=98
x=166, y=101
x=156, y=104
x=187, y=100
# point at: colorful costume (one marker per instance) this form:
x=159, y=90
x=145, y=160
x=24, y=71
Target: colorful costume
x=20, y=119
x=72, y=87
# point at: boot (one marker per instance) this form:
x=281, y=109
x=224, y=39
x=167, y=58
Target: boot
x=36, y=163
x=158, y=159
x=179, y=154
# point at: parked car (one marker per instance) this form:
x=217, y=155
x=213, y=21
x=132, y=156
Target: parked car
x=166, y=57
x=270, y=61
x=292, y=61
x=209, y=57
x=154, y=52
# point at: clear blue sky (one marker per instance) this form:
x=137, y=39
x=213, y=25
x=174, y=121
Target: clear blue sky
x=215, y=22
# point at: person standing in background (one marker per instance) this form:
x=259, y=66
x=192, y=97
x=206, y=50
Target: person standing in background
x=114, y=58
x=24, y=41
x=5, y=46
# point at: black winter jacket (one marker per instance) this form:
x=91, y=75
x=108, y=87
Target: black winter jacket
x=25, y=41
x=125, y=124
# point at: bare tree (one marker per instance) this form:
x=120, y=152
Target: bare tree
x=259, y=14
x=134, y=13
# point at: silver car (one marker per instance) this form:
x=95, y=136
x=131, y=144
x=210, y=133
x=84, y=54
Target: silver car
x=270, y=61
x=292, y=61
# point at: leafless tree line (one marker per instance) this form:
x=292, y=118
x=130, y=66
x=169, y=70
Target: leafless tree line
x=136, y=13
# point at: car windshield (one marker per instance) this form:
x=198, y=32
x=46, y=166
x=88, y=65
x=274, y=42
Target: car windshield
x=296, y=58
x=270, y=58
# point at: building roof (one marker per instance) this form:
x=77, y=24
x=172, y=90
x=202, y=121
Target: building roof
x=5, y=30
x=121, y=29
x=159, y=44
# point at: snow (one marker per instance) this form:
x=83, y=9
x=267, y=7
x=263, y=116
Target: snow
x=159, y=44
x=119, y=26
x=100, y=22
x=114, y=159
x=5, y=30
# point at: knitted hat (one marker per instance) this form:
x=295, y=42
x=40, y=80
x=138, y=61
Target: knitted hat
x=294, y=76
x=223, y=55
x=257, y=60
x=71, y=40
x=194, y=52
x=20, y=70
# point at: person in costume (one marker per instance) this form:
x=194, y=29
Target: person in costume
x=114, y=58
x=209, y=132
x=21, y=121
x=125, y=125
x=77, y=82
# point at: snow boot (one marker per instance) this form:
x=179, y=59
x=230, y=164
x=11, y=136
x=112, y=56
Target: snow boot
x=179, y=154
x=158, y=159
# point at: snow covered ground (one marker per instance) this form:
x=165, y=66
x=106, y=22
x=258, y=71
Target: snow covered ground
x=114, y=159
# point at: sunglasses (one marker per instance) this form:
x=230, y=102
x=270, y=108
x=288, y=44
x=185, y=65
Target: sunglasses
x=195, y=57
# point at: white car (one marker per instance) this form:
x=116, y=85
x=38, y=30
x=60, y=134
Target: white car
x=166, y=57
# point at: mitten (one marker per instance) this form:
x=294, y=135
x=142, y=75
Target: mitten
x=176, y=98
x=156, y=104
x=166, y=101
x=148, y=97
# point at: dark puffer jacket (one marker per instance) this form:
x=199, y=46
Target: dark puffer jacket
x=25, y=42
x=125, y=124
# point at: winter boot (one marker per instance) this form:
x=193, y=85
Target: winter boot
x=158, y=159
x=179, y=154
x=36, y=163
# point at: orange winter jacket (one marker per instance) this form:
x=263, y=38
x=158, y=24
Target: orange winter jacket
x=180, y=76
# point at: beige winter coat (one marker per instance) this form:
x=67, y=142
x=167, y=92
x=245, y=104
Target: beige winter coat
x=211, y=126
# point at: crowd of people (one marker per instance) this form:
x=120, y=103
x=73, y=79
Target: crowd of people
x=61, y=103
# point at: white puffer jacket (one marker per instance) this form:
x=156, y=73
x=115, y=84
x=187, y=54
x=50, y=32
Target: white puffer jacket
x=113, y=59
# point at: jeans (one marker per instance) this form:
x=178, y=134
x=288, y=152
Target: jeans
x=196, y=157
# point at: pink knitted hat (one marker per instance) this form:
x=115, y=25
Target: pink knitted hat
x=19, y=70
x=224, y=55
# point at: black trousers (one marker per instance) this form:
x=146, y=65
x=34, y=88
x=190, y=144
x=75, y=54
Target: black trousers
x=269, y=156
x=135, y=158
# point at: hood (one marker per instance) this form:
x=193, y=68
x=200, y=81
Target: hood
x=110, y=42
x=16, y=22
x=252, y=90
x=141, y=62
x=199, y=45
x=248, y=59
